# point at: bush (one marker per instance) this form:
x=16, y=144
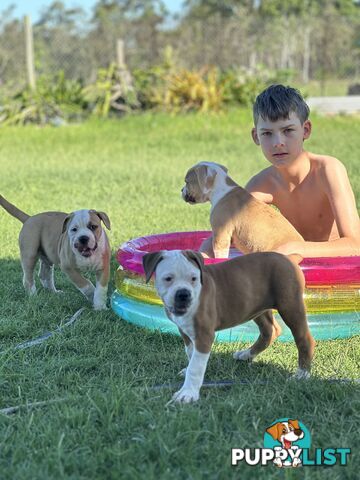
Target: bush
x=193, y=91
x=54, y=100
x=240, y=88
x=112, y=92
x=116, y=92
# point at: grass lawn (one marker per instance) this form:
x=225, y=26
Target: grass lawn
x=109, y=423
x=330, y=88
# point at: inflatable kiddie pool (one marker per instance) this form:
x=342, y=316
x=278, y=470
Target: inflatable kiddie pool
x=332, y=293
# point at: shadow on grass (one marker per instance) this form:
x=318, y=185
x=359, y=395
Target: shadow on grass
x=274, y=368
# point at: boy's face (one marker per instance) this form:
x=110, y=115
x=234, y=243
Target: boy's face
x=281, y=141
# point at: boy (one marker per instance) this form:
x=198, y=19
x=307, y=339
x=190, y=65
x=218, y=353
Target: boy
x=312, y=191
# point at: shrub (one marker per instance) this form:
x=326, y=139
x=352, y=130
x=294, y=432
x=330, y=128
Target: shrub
x=193, y=91
x=112, y=92
x=115, y=92
x=54, y=100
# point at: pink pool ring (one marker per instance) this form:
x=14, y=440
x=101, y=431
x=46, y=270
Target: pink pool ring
x=317, y=271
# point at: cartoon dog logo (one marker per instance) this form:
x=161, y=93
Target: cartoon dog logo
x=287, y=432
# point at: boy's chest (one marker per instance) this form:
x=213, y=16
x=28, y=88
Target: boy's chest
x=309, y=211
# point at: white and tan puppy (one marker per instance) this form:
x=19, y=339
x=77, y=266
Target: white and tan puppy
x=236, y=216
x=202, y=299
x=76, y=242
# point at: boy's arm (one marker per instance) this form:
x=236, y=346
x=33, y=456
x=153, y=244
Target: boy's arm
x=337, y=187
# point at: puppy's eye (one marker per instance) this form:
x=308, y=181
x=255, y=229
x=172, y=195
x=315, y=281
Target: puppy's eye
x=93, y=227
x=193, y=279
x=168, y=279
x=74, y=229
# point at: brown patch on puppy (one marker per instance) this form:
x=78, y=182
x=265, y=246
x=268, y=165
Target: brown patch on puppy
x=196, y=258
x=103, y=217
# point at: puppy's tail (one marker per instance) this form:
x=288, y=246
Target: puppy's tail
x=14, y=211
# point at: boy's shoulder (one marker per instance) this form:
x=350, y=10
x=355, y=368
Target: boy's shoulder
x=260, y=185
x=325, y=169
x=264, y=177
x=327, y=164
x=322, y=159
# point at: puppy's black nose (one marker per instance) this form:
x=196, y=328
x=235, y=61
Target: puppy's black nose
x=182, y=296
x=83, y=239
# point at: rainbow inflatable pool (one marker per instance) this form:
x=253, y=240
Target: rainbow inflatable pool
x=332, y=293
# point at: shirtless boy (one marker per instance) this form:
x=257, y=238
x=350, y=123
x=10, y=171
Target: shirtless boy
x=312, y=191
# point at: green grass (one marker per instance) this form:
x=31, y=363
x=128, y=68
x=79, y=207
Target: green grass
x=331, y=87
x=110, y=424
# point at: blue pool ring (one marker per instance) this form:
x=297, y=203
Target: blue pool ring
x=323, y=326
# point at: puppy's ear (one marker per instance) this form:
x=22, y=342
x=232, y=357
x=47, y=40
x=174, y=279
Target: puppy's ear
x=206, y=176
x=197, y=259
x=104, y=218
x=150, y=262
x=274, y=431
x=66, y=222
x=223, y=168
x=201, y=174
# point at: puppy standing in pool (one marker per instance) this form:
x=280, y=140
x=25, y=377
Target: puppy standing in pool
x=76, y=241
x=201, y=299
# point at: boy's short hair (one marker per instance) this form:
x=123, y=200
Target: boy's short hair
x=277, y=102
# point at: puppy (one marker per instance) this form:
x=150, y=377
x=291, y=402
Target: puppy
x=236, y=216
x=202, y=299
x=75, y=241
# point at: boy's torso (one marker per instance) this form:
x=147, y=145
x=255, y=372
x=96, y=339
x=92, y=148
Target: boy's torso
x=305, y=205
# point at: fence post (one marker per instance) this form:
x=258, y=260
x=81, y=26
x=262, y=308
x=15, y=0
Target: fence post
x=29, y=44
x=120, y=55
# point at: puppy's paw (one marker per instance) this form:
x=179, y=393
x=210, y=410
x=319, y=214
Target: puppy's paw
x=88, y=292
x=31, y=291
x=243, y=355
x=185, y=395
x=100, y=306
x=301, y=374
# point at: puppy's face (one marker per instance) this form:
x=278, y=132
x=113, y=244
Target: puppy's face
x=84, y=231
x=178, y=279
x=199, y=182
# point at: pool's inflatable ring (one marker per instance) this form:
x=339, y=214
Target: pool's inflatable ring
x=332, y=294
x=321, y=299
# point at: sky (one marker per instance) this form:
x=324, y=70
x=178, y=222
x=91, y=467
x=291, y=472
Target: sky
x=34, y=7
